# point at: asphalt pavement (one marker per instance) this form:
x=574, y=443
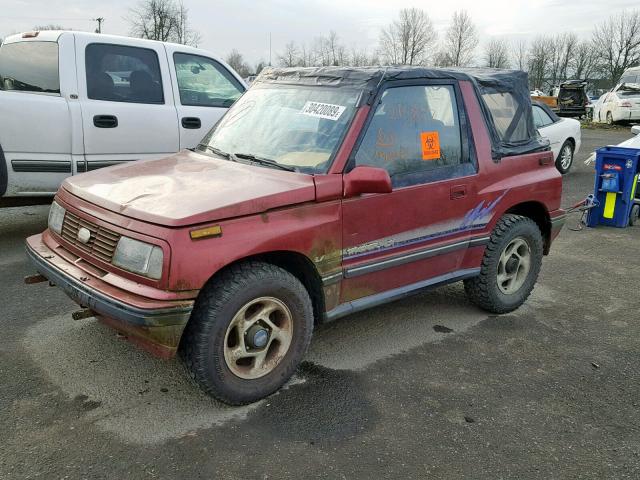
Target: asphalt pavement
x=427, y=387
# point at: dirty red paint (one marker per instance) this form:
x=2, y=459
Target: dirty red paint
x=264, y=210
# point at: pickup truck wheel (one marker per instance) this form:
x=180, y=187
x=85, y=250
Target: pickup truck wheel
x=248, y=332
x=510, y=266
x=565, y=157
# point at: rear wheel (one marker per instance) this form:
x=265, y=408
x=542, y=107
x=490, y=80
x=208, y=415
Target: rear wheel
x=565, y=157
x=609, y=119
x=510, y=266
x=248, y=332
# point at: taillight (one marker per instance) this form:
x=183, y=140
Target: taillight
x=626, y=104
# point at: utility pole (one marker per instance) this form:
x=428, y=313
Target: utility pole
x=99, y=20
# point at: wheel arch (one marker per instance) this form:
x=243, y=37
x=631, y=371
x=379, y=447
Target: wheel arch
x=537, y=212
x=4, y=174
x=297, y=264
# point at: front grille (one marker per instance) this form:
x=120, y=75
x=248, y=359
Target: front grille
x=102, y=242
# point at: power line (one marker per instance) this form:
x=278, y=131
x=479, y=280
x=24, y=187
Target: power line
x=4, y=17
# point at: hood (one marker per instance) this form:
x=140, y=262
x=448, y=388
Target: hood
x=189, y=188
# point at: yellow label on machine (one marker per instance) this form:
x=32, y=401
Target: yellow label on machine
x=609, y=205
x=633, y=189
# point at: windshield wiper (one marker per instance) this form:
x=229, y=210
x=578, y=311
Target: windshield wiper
x=264, y=161
x=217, y=151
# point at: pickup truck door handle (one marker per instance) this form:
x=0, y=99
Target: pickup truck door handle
x=105, y=121
x=458, y=191
x=191, y=122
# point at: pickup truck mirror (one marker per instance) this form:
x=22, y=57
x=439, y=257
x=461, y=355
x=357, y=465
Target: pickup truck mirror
x=366, y=179
x=635, y=129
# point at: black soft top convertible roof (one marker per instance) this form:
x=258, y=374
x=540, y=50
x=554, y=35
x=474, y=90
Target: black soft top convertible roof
x=503, y=94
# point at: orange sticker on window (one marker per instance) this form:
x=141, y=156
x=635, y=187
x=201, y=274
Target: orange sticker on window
x=430, y=145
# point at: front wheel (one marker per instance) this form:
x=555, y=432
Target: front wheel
x=510, y=266
x=248, y=332
x=565, y=157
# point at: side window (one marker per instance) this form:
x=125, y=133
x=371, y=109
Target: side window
x=118, y=73
x=204, y=82
x=415, y=135
x=30, y=67
x=540, y=117
x=504, y=108
x=537, y=120
x=544, y=116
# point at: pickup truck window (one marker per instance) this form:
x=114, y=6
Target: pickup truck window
x=30, y=67
x=415, y=135
x=119, y=73
x=204, y=82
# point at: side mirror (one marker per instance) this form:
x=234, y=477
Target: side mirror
x=366, y=179
x=635, y=129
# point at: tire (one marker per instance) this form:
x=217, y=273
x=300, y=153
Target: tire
x=610, y=119
x=484, y=290
x=563, y=164
x=214, y=335
x=635, y=215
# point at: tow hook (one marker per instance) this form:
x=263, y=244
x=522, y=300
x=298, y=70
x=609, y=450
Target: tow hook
x=82, y=314
x=31, y=279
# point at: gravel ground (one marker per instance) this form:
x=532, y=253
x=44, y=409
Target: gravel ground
x=550, y=391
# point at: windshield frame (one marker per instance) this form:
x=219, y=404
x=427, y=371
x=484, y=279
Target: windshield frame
x=360, y=95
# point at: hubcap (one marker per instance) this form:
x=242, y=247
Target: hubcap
x=258, y=337
x=514, y=266
x=566, y=157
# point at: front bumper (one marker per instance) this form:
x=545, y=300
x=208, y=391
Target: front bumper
x=155, y=325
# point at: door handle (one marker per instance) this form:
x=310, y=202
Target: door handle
x=105, y=121
x=458, y=191
x=191, y=122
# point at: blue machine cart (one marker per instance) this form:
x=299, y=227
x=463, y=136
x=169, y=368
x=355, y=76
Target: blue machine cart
x=616, y=187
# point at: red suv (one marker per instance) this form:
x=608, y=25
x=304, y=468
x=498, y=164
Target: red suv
x=321, y=192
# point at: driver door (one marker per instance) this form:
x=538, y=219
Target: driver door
x=419, y=232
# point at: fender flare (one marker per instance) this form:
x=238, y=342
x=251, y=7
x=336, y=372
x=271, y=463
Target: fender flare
x=4, y=174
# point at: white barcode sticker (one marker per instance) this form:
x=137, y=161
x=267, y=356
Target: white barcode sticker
x=323, y=110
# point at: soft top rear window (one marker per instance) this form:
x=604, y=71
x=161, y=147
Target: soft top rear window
x=30, y=67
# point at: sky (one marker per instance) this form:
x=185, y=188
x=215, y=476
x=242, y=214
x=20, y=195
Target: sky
x=246, y=25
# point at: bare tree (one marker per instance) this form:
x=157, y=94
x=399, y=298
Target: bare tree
x=561, y=51
x=521, y=55
x=539, y=61
x=461, y=39
x=236, y=61
x=184, y=34
x=290, y=56
x=50, y=26
x=585, y=60
x=163, y=20
x=407, y=39
x=496, y=53
x=617, y=43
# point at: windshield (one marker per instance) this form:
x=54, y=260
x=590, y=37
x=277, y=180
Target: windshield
x=296, y=126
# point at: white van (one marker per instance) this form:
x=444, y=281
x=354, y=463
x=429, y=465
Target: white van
x=71, y=102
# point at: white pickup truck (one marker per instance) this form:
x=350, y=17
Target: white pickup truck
x=71, y=102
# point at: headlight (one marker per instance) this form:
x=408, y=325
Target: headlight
x=138, y=257
x=56, y=217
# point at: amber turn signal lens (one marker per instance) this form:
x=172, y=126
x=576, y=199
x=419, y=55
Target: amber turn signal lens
x=215, y=231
